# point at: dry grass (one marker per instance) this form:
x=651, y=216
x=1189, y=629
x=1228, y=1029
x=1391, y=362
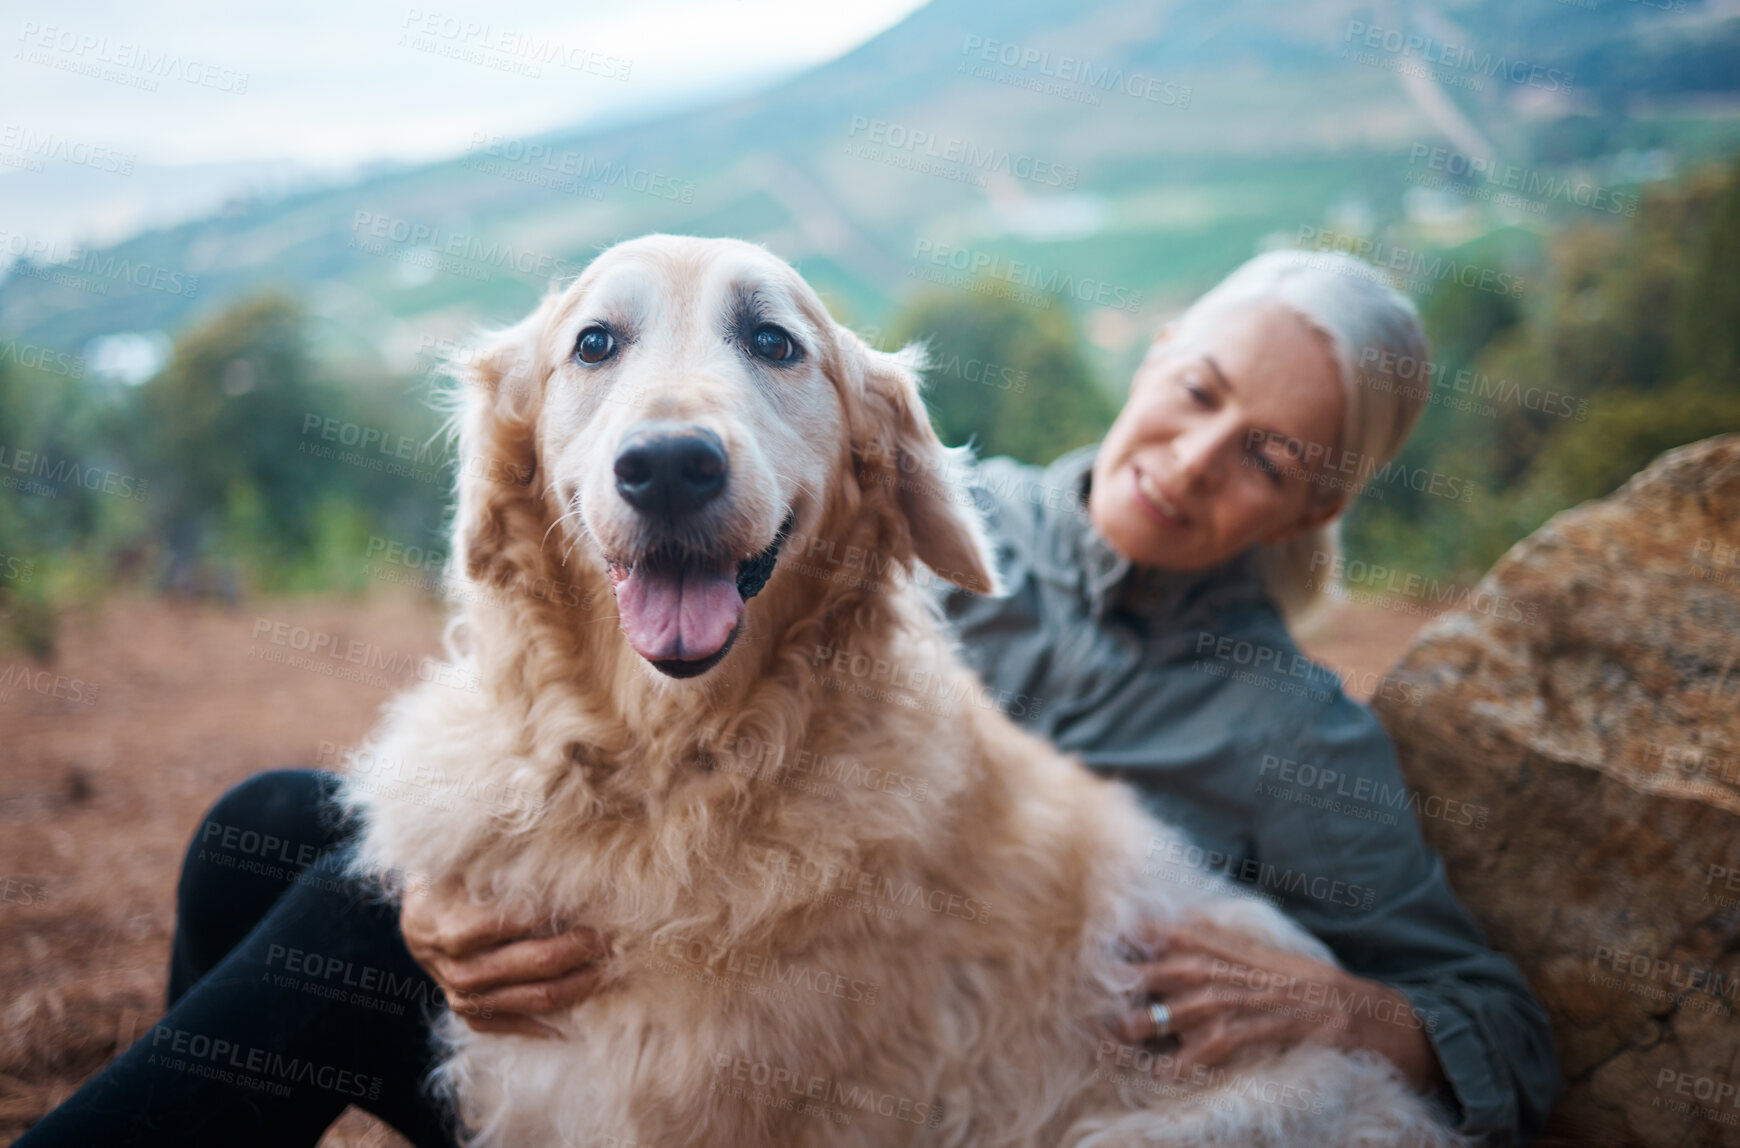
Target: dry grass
x=98, y=801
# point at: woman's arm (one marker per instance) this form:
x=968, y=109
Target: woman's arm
x=1489, y=1032
x=498, y=972
x=1226, y=993
x=1378, y=897
x=1329, y=833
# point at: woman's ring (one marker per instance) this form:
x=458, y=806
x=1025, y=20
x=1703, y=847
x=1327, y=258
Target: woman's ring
x=1162, y=1018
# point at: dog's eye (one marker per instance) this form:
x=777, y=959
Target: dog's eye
x=594, y=345
x=773, y=344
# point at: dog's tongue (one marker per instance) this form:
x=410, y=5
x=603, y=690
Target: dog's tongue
x=676, y=612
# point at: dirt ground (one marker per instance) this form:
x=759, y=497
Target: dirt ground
x=149, y=711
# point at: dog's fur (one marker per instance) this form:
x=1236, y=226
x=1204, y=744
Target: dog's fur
x=929, y=963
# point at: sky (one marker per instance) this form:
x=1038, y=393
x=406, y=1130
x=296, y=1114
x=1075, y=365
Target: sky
x=232, y=97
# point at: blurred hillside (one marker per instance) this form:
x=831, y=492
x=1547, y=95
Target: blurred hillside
x=1250, y=120
x=1035, y=187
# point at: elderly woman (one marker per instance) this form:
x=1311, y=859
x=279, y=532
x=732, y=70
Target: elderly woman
x=1148, y=581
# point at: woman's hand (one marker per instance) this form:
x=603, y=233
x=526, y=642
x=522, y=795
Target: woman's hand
x=1227, y=993
x=497, y=971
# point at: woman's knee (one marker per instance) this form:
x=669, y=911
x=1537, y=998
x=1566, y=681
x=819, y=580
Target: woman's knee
x=284, y=815
x=251, y=844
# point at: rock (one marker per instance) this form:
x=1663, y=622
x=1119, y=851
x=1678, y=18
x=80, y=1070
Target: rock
x=1588, y=696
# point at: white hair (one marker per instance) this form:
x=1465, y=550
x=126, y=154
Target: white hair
x=1379, y=345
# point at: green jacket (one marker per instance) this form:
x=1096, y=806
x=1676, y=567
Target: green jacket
x=1188, y=687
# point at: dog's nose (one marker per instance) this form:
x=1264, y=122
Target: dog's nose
x=670, y=469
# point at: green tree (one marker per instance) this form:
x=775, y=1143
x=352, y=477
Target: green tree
x=1009, y=376
x=1708, y=344
x=245, y=473
x=1642, y=322
x=223, y=420
x=63, y=460
x=1635, y=329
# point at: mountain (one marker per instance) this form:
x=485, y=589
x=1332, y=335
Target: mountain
x=1110, y=157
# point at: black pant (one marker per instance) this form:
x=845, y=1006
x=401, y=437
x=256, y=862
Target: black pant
x=291, y=995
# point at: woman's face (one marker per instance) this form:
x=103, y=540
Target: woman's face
x=1205, y=458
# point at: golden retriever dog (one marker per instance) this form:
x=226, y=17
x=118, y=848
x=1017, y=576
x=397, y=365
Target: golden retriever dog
x=838, y=913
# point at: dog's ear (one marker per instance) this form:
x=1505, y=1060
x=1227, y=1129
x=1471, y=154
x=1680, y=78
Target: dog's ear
x=500, y=509
x=891, y=432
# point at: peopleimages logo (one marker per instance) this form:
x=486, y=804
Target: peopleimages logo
x=46, y=683
x=92, y=478
x=137, y=65
x=43, y=359
x=1438, y=53
x=1525, y=181
x=47, y=145
x=982, y=160
x=79, y=267
x=1422, y=379
x=578, y=168
x=1077, y=72
x=1422, y=270
x=510, y=49
x=373, y=231
x=1368, y=583
x=1024, y=274
x=1322, y=465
